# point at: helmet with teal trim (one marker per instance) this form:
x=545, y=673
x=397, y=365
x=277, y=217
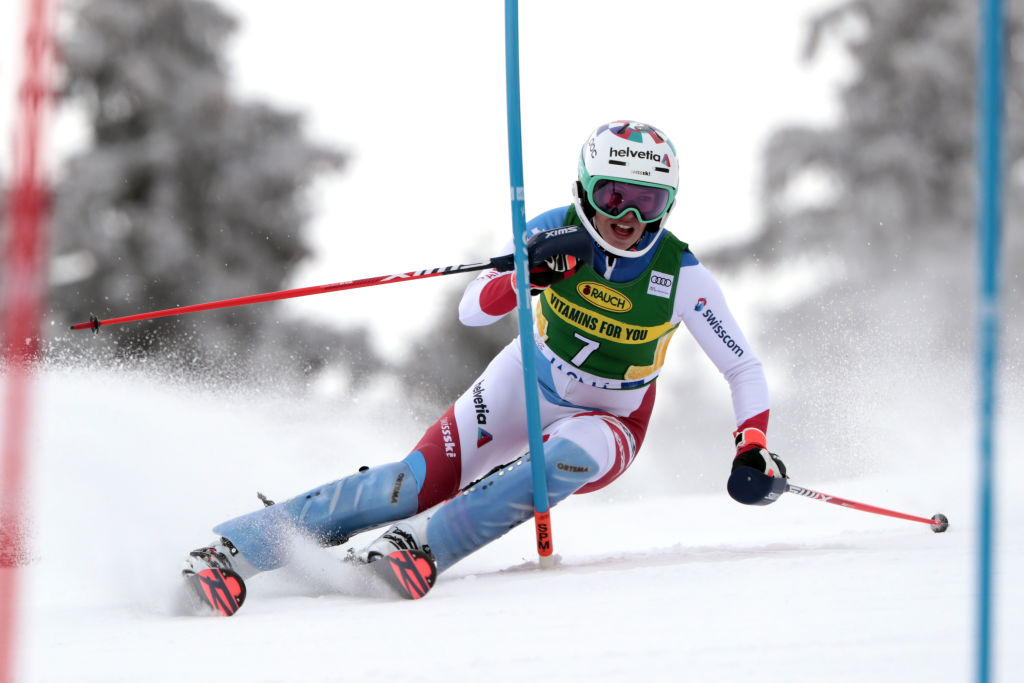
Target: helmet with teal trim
x=627, y=166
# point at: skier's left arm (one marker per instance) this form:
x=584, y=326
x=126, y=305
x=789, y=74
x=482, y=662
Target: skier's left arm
x=701, y=306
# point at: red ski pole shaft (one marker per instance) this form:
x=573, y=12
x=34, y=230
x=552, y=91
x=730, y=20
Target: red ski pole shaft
x=500, y=262
x=938, y=522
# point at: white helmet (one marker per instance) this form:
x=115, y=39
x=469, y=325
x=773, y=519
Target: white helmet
x=627, y=166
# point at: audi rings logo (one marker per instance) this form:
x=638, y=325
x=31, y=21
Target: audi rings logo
x=661, y=284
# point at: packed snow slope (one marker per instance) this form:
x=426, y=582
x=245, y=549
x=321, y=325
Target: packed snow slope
x=130, y=471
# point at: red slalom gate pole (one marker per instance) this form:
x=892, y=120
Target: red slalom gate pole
x=23, y=240
x=498, y=262
x=937, y=522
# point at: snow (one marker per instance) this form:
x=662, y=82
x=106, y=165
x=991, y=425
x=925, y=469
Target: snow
x=130, y=471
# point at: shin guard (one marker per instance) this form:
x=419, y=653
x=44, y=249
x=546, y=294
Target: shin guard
x=502, y=501
x=328, y=514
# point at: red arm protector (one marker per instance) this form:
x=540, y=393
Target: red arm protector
x=487, y=298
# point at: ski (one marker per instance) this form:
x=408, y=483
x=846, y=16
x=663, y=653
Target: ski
x=221, y=590
x=409, y=574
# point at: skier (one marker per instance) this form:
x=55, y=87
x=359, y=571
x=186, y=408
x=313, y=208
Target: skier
x=612, y=286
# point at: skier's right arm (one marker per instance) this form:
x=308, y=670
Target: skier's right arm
x=554, y=255
x=492, y=295
x=488, y=298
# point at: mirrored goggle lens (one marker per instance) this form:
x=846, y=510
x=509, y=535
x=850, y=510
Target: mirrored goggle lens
x=614, y=198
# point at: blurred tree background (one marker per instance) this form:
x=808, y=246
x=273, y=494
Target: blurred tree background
x=900, y=165
x=895, y=178
x=184, y=195
x=449, y=356
x=873, y=216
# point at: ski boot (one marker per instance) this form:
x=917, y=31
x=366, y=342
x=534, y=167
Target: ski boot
x=401, y=536
x=400, y=561
x=214, y=580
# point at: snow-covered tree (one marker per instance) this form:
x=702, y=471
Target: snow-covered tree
x=898, y=170
x=873, y=216
x=184, y=194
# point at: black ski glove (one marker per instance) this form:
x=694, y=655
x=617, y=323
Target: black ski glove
x=758, y=476
x=555, y=255
x=761, y=460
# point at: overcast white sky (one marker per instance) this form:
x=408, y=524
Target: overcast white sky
x=416, y=93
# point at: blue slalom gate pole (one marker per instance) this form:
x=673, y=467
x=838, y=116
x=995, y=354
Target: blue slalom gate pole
x=990, y=79
x=541, y=509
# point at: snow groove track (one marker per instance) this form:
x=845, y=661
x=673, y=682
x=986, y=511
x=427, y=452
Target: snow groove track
x=687, y=587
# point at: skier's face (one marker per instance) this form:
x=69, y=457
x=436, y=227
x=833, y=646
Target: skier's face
x=621, y=233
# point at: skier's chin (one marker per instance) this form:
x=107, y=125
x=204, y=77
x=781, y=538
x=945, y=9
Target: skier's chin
x=619, y=234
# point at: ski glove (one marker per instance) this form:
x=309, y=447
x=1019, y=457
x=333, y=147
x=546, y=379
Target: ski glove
x=554, y=255
x=543, y=276
x=761, y=460
x=758, y=476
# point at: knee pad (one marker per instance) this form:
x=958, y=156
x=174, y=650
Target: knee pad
x=503, y=500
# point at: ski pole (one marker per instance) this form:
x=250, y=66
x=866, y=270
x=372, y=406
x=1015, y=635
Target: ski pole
x=937, y=522
x=499, y=262
x=541, y=505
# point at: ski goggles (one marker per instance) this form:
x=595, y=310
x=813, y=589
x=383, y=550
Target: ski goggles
x=614, y=198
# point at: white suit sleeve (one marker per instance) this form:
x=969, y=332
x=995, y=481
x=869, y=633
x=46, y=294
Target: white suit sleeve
x=701, y=306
